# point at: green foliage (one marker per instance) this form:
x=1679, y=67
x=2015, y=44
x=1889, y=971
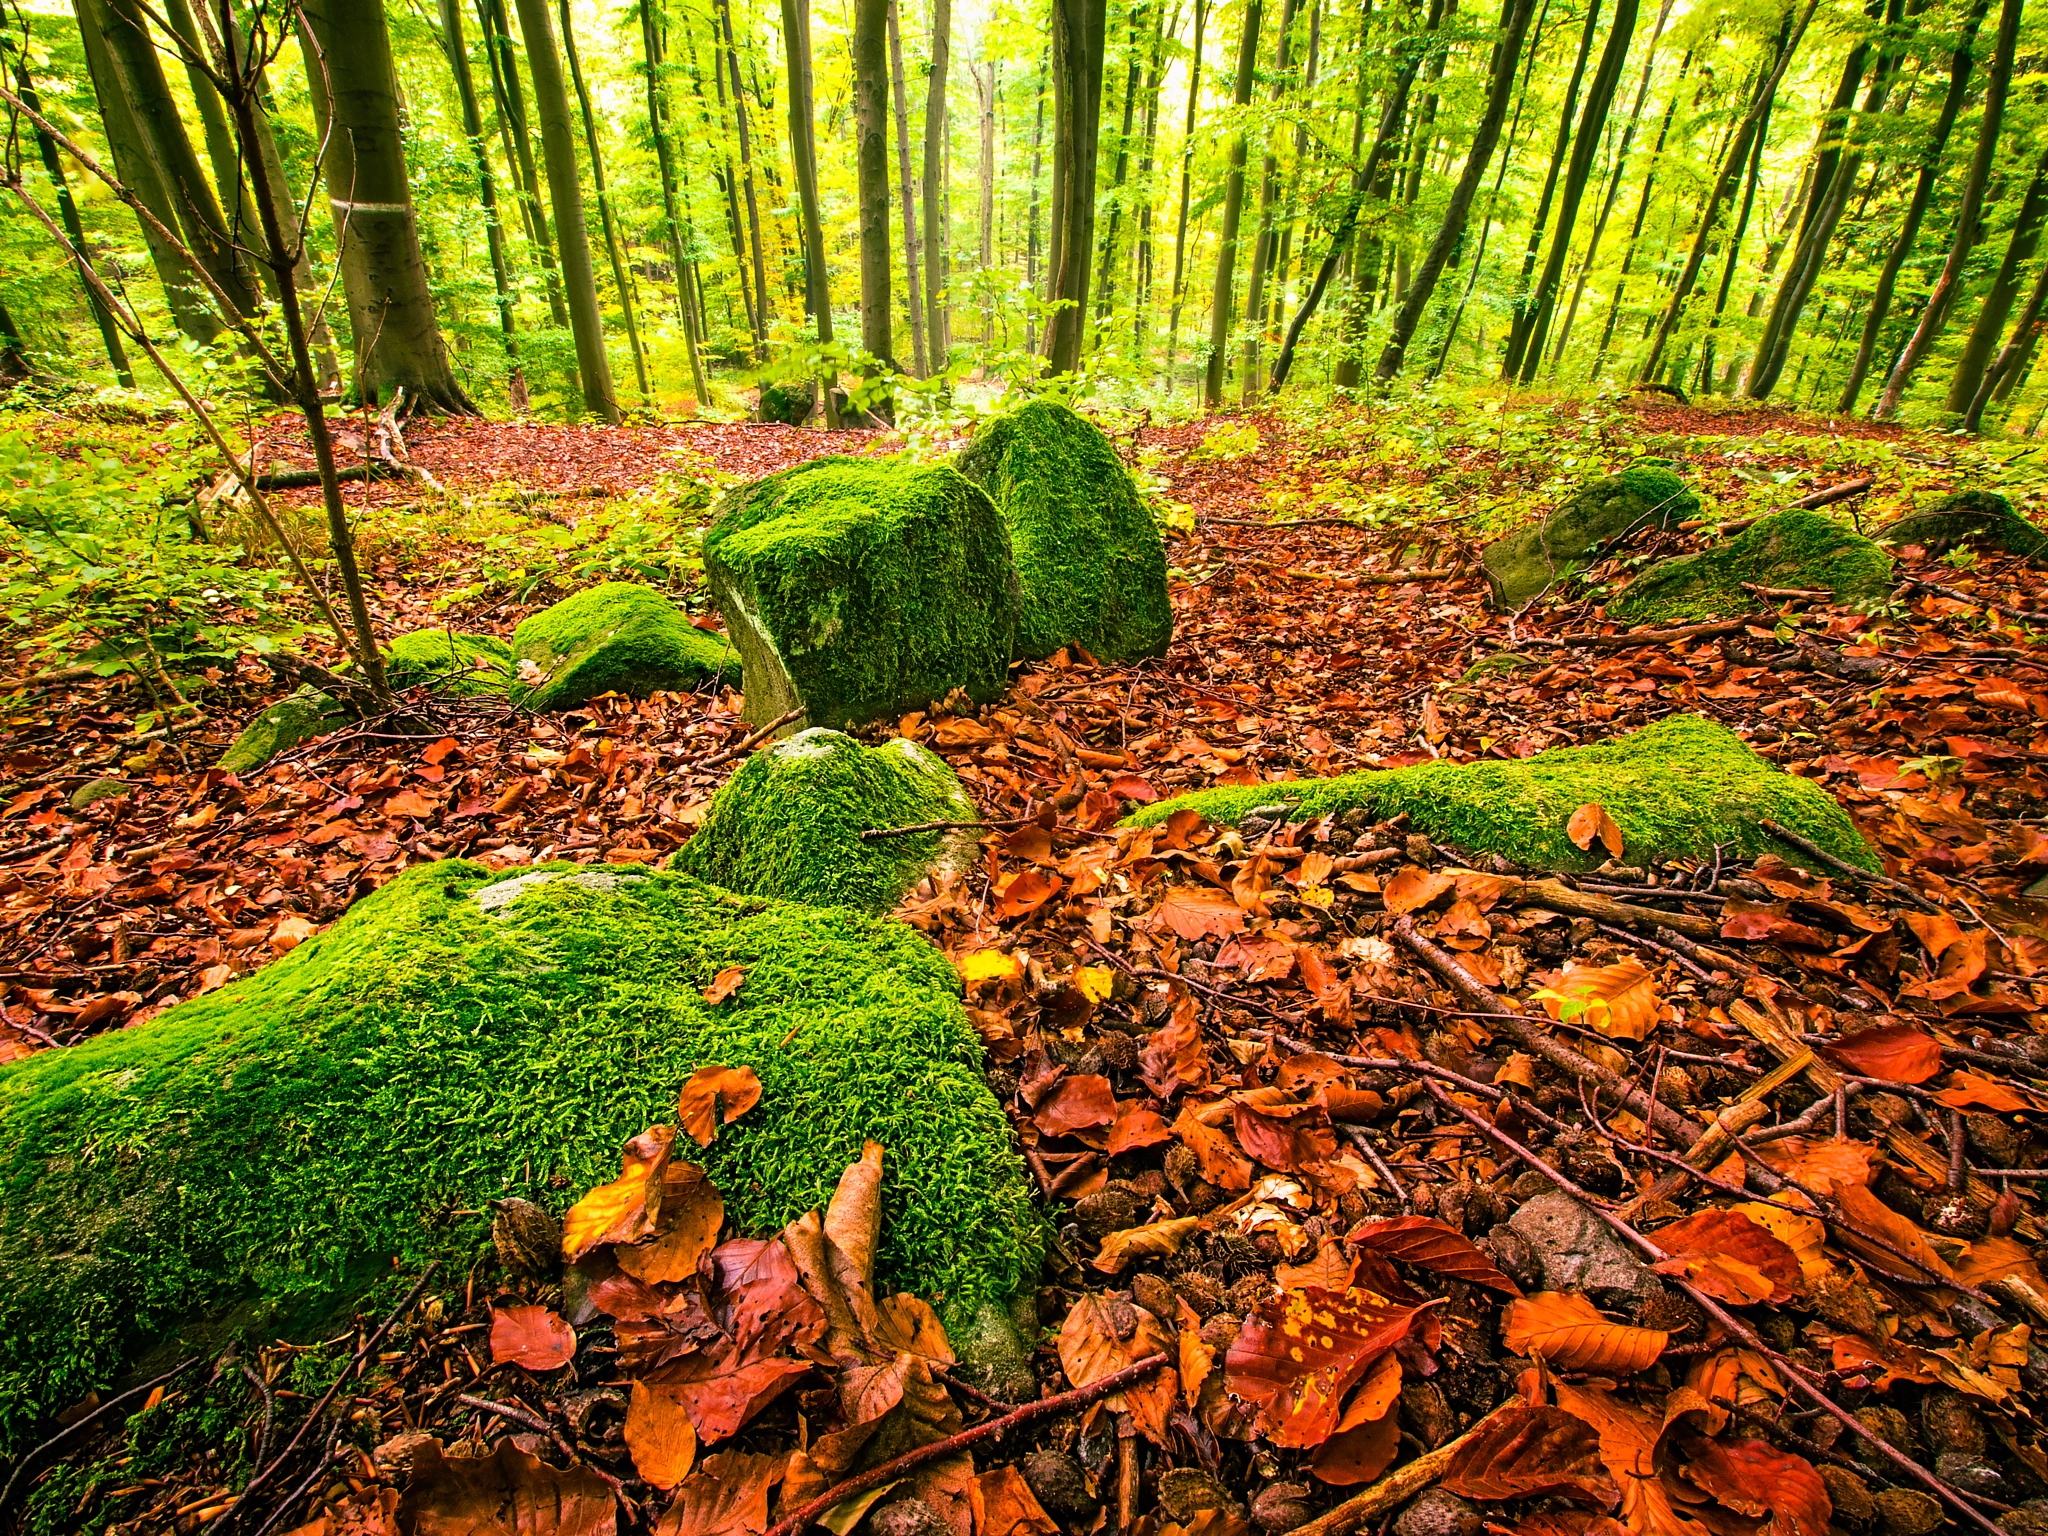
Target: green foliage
x=1678, y=789
x=253, y=1157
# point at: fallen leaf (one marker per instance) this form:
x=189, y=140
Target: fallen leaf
x=534, y=1338
x=1120, y=1250
x=1025, y=892
x=659, y=1435
x=1875, y=1217
x=1135, y=1128
x=853, y=1217
x=1590, y=822
x=1196, y=1358
x=1529, y=1451
x=507, y=1491
x=988, y=965
x=1090, y=1349
x=1935, y=930
x=288, y=933
x=619, y=1212
x=1413, y=888
x=691, y=1214
x=1628, y=1438
x=1897, y=1053
x=1620, y=1001
x=1729, y=1257
x=1300, y=1353
x=1432, y=1245
x=1966, y=1090
x=724, y=984
x=1173, y=1058
x=727, y=1496
x=716, y=1095
x=1569, y=1334
x=1004, y=1505
x=1194, y=912
x=1216, y=1154
x=1358, y=1453
x=1077, y=1102
x=1756, y=1479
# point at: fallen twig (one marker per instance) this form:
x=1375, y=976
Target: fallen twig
x=747, y=744
x=1654, y=636
x=1842, y=866
x=2031, y=615
x=1397, y=1487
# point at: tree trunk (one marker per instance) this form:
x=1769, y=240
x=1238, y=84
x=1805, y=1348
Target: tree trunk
x=1105, y=299
x=1141, y=277
x=1599, y=99
x=796, y=41
x=739, y=107
x=1749, y=186
x=1507, y=54
x=396, y=333
x=1037, y=165
x=2012, y=358
x=1264, y=237
x=1935, y=313
x=1077, y=38
x=1998, y=300
x=913, y=300
x=512, y=103
x=871, y=170
x=15, y=367
x=1225, y=289
x=1961, y=61
x=938, y=298
x=1180, y=230
x=604, y=207
x=986, y=257
x=1635, y=233
x=1421, y=139
x=228, y=182
x=565, y=196
x=660, y=124
x=473, y=130
x=728, y=180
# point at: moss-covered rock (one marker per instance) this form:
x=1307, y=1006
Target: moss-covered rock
x=790, y=404
x=1525, y=564
x=1979, y=519
x=617, y=637
x=453, y=662
x=789, y=823
x=1794, y=549
x=857, y=589
x=1679, y=788
x=1089, y=557
x=270, y=1148
x=93, y=791
x=296, y=718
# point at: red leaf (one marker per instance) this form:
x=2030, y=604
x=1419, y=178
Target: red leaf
x=533, y=1337
x=1300, y=1353
x=1429, y=1243
x=1898, y=1053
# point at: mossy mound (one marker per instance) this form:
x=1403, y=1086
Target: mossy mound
x=1677, y=789
x=1794, y=549
x=1526, y=564
x=617, y=637
x=789, y=823
x=789, y=404
x=1089, y=557
x=296, y=718
x=267, y=1150
x=452, y=662
x=93, y=791
x=857, y=589
x=1978, y=519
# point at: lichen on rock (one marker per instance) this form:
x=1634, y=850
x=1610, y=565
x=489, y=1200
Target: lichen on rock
x=261, y=1154
x=616, y=637
x=1794, y=550
x=1977, y=519
x=293, y=720
x=449, y=661
x=1525, y=564
x=788, y=824
x=857, y=589
x=1089, y=558
x=1682, y=787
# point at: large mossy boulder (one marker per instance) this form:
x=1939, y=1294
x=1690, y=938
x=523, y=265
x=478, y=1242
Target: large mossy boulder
x=857, y=589
x=1790, y=550
x=1089, y=558
x=1976, y=519
x=292, y=721
x=449, y=661
x=616, y=637
x=1677, y=789
x=789, y=823
x=254, y=1157
x=1526, y=564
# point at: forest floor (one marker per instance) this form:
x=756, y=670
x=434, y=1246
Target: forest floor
x=1299, y=651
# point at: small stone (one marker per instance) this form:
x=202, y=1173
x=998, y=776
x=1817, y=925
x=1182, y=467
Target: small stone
x=1949, y=1423
x=1577, y=1252
x=907, y=1517
x=1850, y=1496
x=1437, y=1513
x=1281, y=1507
x=1908, y=1512
x=1060, y=1485
x=527, y=1238
x=1516, y=1257
x=1890, y=1426
x=1157, y=1297
x=1185, y=1492
x=1968, y=1473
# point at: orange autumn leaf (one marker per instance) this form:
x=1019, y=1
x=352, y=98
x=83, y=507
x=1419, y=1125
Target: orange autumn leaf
x=1755, y=1479
x=1565, y=1330
x=659, y=1436
x=1620, y=1001
x=1300, y=1353
x=534, y=1338
x=1729, y=1257
x=1433, y=1245
x=691, y=1213
x=1194, y=912
x=724, y=984
x=1090, y=1349
x=1590, y=822
x=1966, y=1090
x=1897, y=1053
x=715, y=1096
x=1872, y=1215
x=1414, y=888
x=626, y=1209
x=1004, y=1505
x=1628, y=1441
x=1529, y=1451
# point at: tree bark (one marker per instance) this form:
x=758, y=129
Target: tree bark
x=620, y=279
x=796, y=40
x=473, y=130
x=871, y=169
x=2012, y=357
x=397, y=336
x=1225, y=288
x=1961, y=61
x=1031, y=219
x=1935, y=313
x=938, y=298
x=1141, y=277
x=1735, y=239
x=1105, y=282
x=1077, y=38
x=739, y=107
x=660, y=125
x=1180, y=231
x=1266, y=234
x=519, y=133
x=15, y=367
x=913, y=299
x=985, y=89
x=1998, y=300
x=1635, y=233
x=228, y=180
x=1507, y=54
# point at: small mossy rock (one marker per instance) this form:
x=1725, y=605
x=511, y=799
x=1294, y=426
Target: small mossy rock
x=264, y=1152
x=1978, y=519
x=857, y=589
x=1524, y=565
x=1794, y=549
x=1677, y=789
x=452, y=662
x=788, y=404
x=293, y=720
x=1498, y=664
x=992, y=1341
x=1089, y=558
x=789, y=823
x=616, y=637
x=93, y=791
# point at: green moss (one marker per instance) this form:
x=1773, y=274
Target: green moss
x=455, y=663
x=1526, y=564
x=293, y=720
x=1089, y=558
x=857, y=589
x=1981, y=519
x=788, y=824
x=277, y=1144
x=1792, y=549
x=1498, y=664
x=1678, y=788
x=93, y=791
x=617, y=637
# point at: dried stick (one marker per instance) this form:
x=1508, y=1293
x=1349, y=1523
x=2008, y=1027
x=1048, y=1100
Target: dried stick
x=750, y=742
x=798, y=1520
x=1841, y=866
x=1397, y=1487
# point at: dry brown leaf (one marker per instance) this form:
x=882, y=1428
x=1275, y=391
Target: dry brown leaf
x=1567, y=1332
x=724, y=984
x=1195, y=912
x=1090, y=1350
x=1897, y=1053
x=1174, y=1059
x=1875, y=1217
x=506, y=1492
x=1729, y=1257
x=1196, y=1358
x=726, y=1496
x=1161, y=1239
x=1299, y=1355
x=853, y=1219
x=1529, y=1451
x=1358, y=1452
x=1412, y=888
x=715, y=1096
x=659, y=1435
x=1805, y=1235
x=1756, y=1479
x=1004, y=1505
x=1628, y=1439
x=534, y=1338
x=1590, y=822
x=692, y=1212
x=1621, y=1001
x=1432, y=1245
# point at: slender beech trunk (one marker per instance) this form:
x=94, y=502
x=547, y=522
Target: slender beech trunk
x=759, y=310
x=1635, y=234
x=1789, y=39
x=613, y=252
x=1141, y=274
x=1525, y=303
x=728, y=180
x=803, y=154
x=660, y=126
x=871, y=170
x=228, y=180
x=1735, y=238
x=512, y=102
x=1997, y=380
x=494, y=232
x=1267, y=234
x=1599, y=99
x=1225, y=289
x=913, y=300
x=938, y=298
x=565, y=197
x=14, y=364
x=1077, y=39
x=1935, y=313
x=985, y=257
x=1997, y=303
x=1031, y=223
x=1180, y=230
x=1285, y=252
x=1961, y=61
x=1507, y=54
x=1105, y=299
x=1421, y=139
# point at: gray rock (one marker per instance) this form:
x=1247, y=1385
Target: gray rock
x=1980, y=519
x=495, y=898
x=1968, y=1473
x=1576, y=1251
